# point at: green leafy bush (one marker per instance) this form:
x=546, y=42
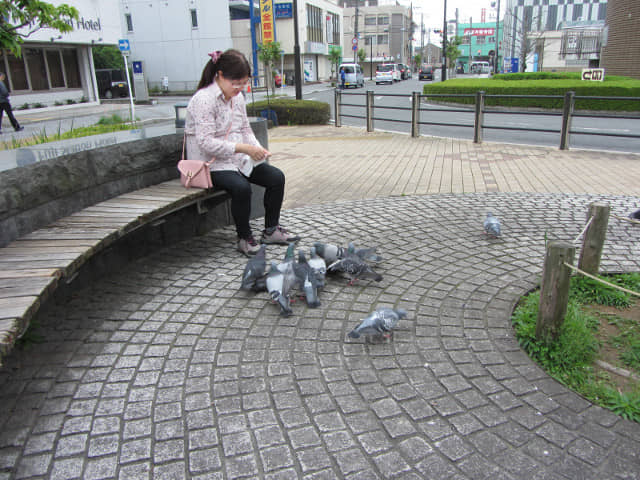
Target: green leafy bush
x=293, y=112
x=542, y=84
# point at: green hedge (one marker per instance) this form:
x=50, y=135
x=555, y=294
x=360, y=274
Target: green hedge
x=293, y=112
x=543, y=83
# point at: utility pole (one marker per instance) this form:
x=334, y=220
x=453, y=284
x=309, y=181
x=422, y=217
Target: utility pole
x=444, y=44
x=470, y=42
x=355, y=33
x=296, y=52
x=495, y=63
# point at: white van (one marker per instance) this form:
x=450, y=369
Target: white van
x=354, y=76
x=479, y=68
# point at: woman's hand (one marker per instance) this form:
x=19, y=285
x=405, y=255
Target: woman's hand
x=256, y=152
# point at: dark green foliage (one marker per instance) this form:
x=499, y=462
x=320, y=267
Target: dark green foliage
x=543, y=83
x=107, y=56
x=586, y=290
x=569, y=359
x=293, y=112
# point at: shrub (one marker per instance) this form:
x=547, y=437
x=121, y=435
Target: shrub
x=293, y=112
x=57, y=103
x=39, y=105
x=70, y=101
x=24, y=106
x=542, y=84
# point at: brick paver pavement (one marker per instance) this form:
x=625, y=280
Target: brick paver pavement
x=168, y=370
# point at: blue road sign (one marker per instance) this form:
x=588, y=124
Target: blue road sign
x=123, y=45
x=137, y=66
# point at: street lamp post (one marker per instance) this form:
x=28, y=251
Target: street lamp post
x=296, y=52
x=495, y=63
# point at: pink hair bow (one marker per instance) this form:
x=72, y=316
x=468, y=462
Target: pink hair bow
x=215, y=55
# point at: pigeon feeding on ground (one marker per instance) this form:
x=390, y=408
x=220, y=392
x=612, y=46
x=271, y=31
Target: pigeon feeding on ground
x=379, y=323
x=253, y=277
x=276, y=288
x=492, y=225
x=307, y=281
x=332, y=253
x=318, y=265
x=354, y=267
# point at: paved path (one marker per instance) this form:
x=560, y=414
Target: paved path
x=167, y=370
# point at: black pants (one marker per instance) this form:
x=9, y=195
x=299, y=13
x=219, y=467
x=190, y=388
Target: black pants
x=239, y=187
x=6, y=107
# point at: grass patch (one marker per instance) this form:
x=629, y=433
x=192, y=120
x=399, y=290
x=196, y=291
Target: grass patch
x=601, y=324
x=105, y=125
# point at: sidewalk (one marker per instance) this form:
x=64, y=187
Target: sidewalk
x=168, y=370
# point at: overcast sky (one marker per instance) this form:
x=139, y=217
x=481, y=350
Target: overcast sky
x=433, y=10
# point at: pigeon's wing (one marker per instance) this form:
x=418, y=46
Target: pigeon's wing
x=368, y=326
x=369, y=254
x=253, y=271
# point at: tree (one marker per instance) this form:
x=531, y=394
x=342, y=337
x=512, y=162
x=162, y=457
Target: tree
x=107, y=56
x=32, y=15
x=417, y=60
x=335, y=56
x=453, y=52
x=362, y=55
x=524, y=36
x=268, y=54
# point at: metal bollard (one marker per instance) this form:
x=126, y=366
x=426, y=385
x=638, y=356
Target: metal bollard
x=567, y=112
x=337, y=101
x=478, y=118
x=369, y=110
x=415, y=114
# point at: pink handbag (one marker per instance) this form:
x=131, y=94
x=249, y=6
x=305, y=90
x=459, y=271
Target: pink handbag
x=194, y=173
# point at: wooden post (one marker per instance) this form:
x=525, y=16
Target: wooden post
x=554, y=292
x=478, y=118
x=369, y=110
x=594, y=237
x=415, y=114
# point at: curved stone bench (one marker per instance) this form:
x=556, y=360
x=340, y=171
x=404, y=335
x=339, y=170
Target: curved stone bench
x=72, y=217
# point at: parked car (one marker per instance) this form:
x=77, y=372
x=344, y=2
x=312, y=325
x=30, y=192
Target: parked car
x=277, y=78
x=425, y=73
x=111, y=83
x=387, y=73
x=354, y=76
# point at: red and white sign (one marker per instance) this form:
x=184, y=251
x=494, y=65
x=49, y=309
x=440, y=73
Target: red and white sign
x=480, y=32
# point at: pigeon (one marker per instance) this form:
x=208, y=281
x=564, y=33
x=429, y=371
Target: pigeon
x=379, y=323
x=635, y=215
x=287, y=268
x=492, y=225
x=354, y=267
x=275, y=287
x=318, y=265
x=307, y=281
x=366, y=254
x=331, y=253
x=253, y=277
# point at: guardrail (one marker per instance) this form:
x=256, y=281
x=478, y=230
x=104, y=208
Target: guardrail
x=479, y=111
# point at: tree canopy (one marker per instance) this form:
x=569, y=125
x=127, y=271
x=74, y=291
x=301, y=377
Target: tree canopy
x=31, y=15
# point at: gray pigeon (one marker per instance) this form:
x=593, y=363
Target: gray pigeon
x=307, y=281
x=379, y=323
x=275, y=287
x=329, y=252
x=354, y=267
x=492, y=225
x=319, y=266
x=635, y=215
x=332, y=253
x=253, y=277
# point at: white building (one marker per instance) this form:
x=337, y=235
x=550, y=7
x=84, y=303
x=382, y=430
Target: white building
x=58, y=67
x=174, y=38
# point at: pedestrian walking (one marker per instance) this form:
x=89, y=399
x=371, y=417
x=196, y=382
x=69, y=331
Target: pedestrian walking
x=5, y=106
x=217, y=127
x=343, y=77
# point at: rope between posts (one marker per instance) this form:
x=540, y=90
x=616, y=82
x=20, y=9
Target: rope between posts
x=584, y=229
x=582, y=272
x=630, y=220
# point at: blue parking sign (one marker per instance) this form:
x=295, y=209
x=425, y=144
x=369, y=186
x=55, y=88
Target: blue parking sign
x=123, y=45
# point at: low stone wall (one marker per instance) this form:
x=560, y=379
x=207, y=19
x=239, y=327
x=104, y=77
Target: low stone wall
x=34, y=195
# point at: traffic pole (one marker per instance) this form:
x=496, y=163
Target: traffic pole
x=126, y=69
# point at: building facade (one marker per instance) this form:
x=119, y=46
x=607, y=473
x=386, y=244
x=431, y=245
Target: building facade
x=383, y=31
x=526, y=20
x=479, y=43
x=621, y=51
x=58, y=68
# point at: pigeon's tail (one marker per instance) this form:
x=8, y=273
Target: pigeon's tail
x=635, y=215
x=285, y=308
x=377, y=277
x=354, y=334
x=260, y=285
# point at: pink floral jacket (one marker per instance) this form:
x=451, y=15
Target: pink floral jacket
x=209, y=118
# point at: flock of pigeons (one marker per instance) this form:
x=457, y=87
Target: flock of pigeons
x=309, y=276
